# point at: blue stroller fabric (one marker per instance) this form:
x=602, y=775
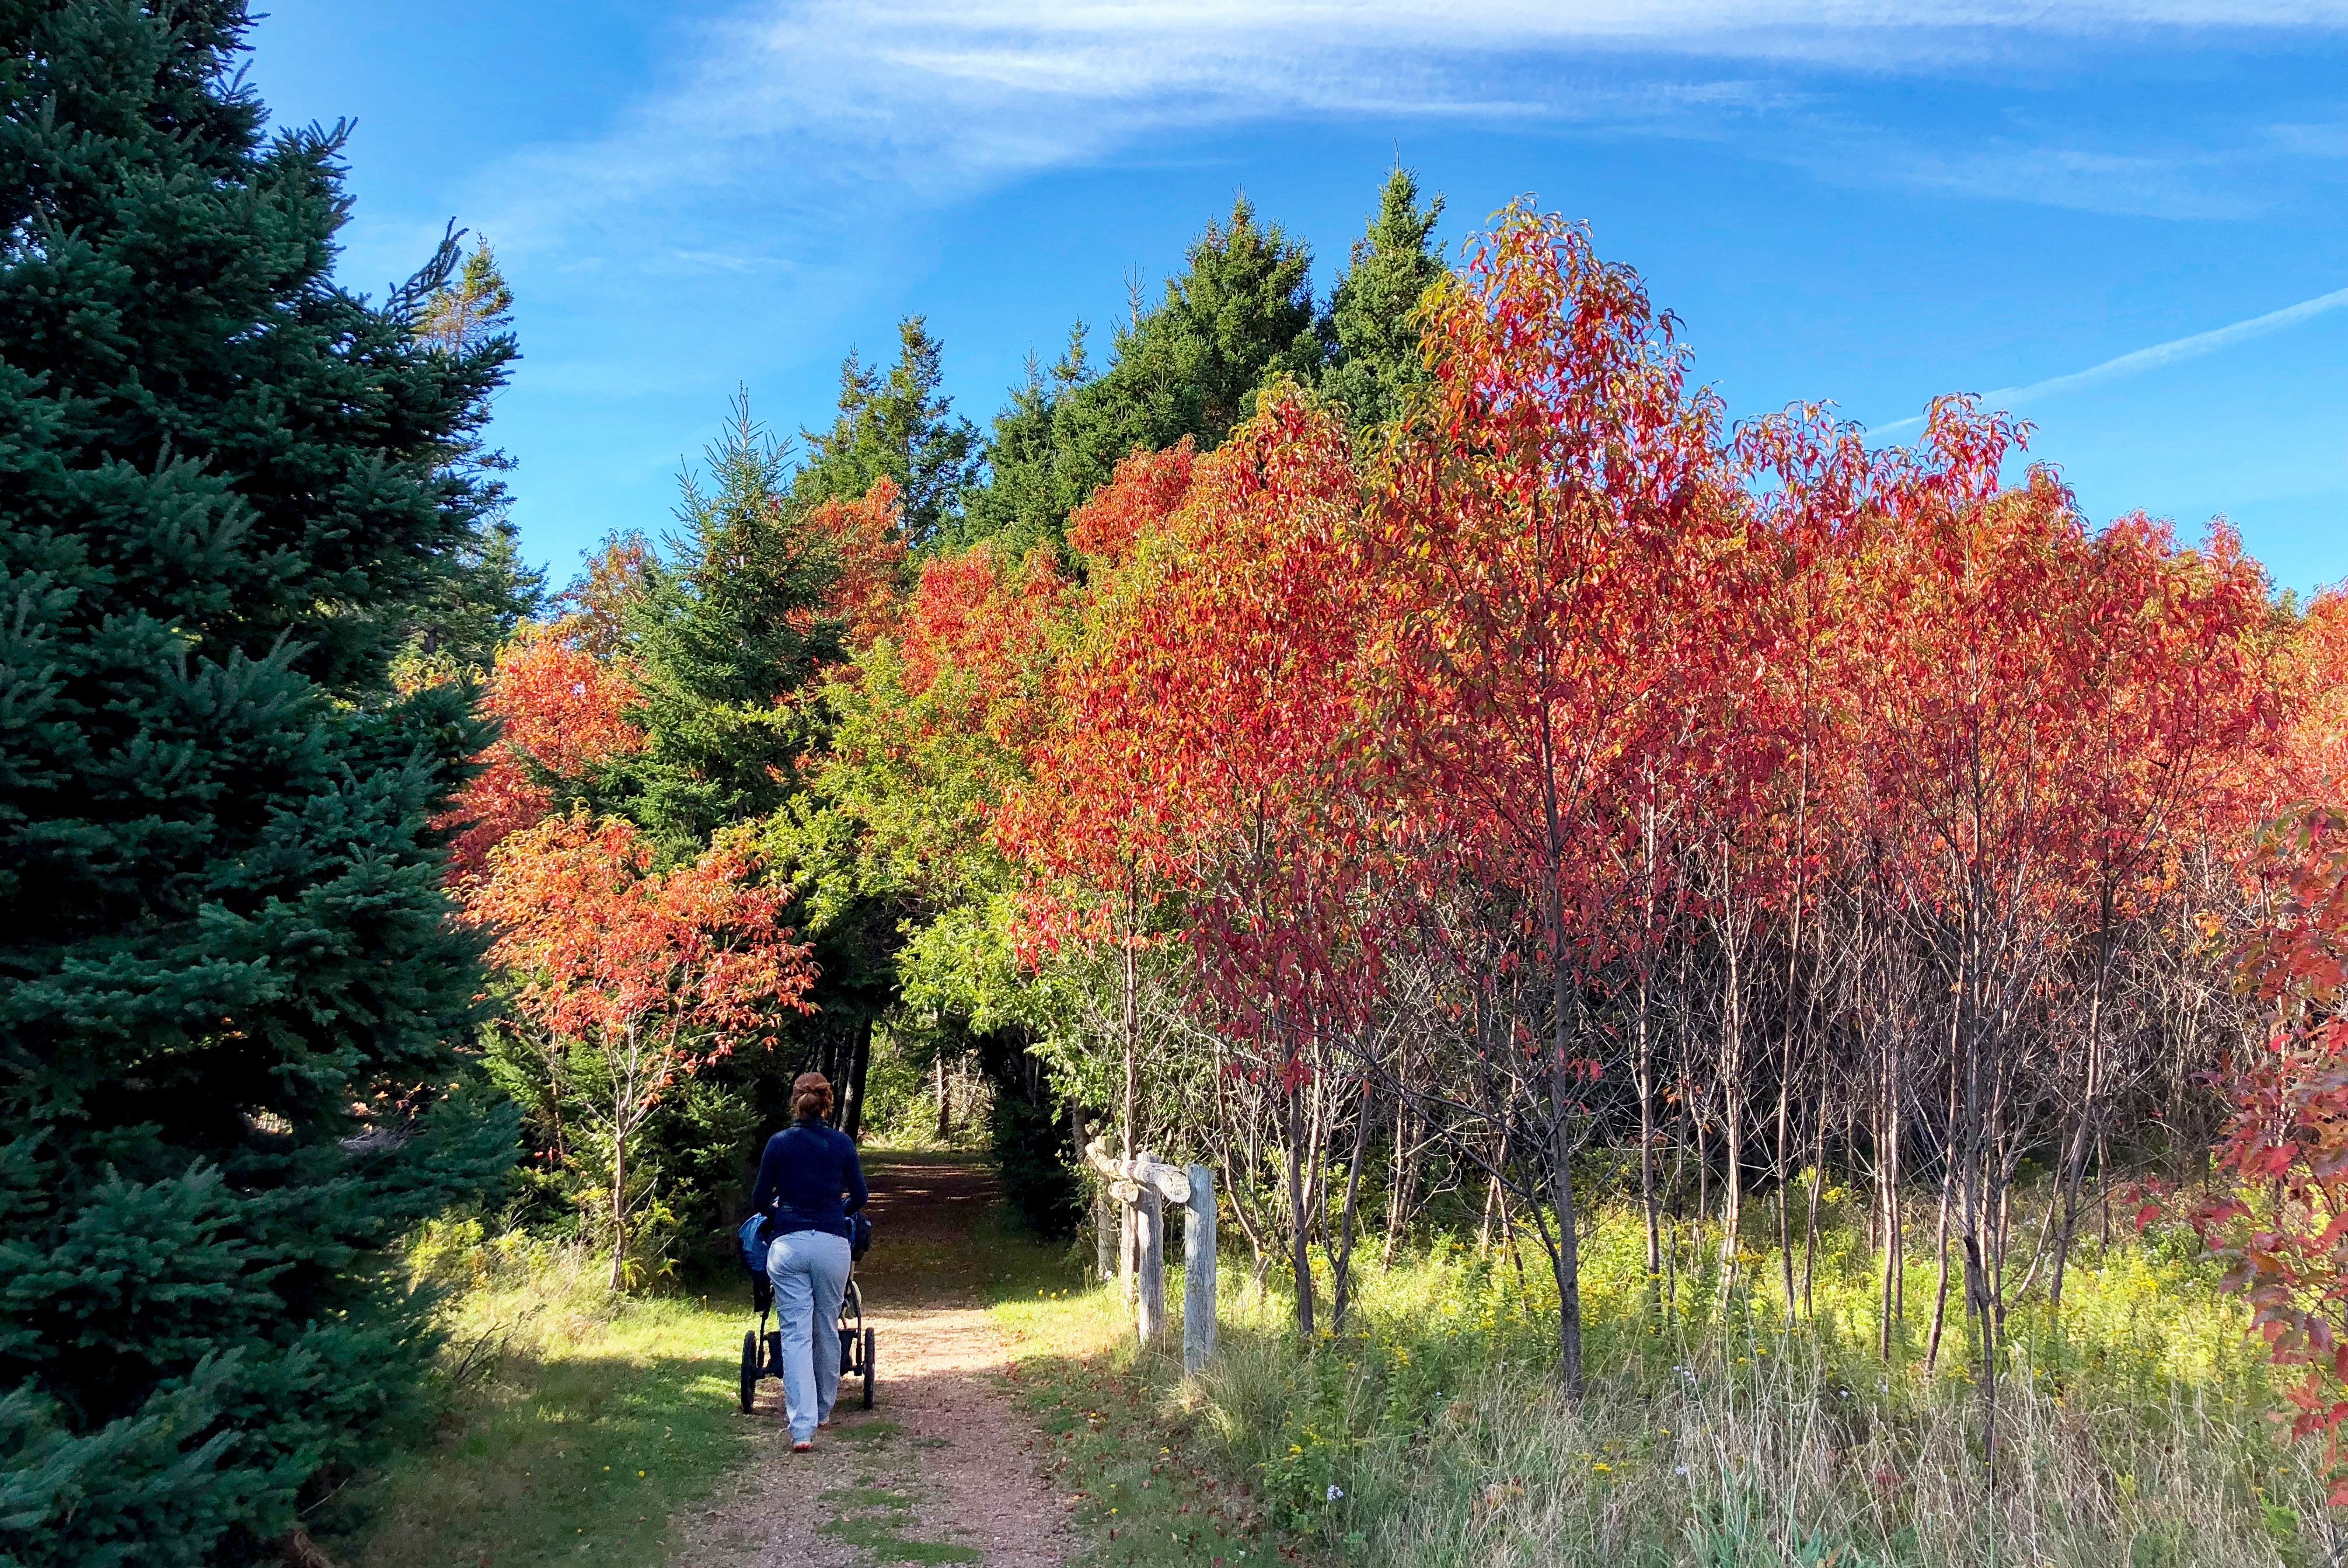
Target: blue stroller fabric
x=754, y=1240
x=754, y=1245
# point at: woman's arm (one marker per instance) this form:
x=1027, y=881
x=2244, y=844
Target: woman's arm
x=855, y=1193
x=770, y=1180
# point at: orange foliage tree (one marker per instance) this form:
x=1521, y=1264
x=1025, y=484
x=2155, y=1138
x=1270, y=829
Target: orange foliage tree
x=1140, y=495
x=1219, y=703
x=867, y=540
x=562, y=712
x=629, y=979
x=1549, y=522
x=2283, y=1226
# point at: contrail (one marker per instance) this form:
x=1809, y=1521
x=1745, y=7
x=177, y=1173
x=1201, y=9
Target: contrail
x=2153, y=358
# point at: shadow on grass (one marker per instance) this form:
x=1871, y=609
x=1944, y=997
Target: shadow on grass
x=577, y=1451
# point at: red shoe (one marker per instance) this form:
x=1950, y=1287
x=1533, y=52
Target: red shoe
x=805, y=1448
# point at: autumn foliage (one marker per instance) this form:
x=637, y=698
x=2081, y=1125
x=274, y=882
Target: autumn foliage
x=1554, y=779
x=1625, y=741
x=562, y=712
x=2282, y=1226
x=867, y=542
x=632, y=977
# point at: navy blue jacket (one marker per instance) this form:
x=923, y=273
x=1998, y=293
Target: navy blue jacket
x=809, y=1180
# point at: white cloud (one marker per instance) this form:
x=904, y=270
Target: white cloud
x=806, y=107
x=2171, y=352
x=2157, y=357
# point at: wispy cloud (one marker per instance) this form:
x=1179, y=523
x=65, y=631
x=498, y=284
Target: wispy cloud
x=806, y=105
x=2157, y=357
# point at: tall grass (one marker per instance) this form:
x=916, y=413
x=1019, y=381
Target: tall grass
x=1713, y=1434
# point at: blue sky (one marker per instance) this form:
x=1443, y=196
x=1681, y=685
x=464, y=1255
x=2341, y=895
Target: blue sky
x=1864, y=201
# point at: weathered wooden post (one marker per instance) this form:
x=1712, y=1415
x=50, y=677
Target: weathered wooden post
x=1199, y=1272
x=1128, y=1234
x=1142, y=1187
x=1149, y=1241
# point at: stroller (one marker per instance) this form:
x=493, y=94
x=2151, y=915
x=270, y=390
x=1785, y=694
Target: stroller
x=762, y=1347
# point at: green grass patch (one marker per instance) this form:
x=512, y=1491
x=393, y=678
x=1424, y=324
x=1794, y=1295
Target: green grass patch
x=580, y=1426
x=1152, y=1490
x=881, y=1539
x=868, y=1496
x=874, y=1518
x=866, y=1432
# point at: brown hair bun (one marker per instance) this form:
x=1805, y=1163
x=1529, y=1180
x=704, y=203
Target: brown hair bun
x=810, y=1095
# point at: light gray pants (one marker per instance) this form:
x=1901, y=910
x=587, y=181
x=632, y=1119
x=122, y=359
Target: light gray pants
x=809, y=1271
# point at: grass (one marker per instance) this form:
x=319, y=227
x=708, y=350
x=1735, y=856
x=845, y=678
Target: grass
x=2140, y=1434
x=1127, y=1447
x=576, y=1426
x=872, y=1518
x=879, y=1537
x=2137, y=1433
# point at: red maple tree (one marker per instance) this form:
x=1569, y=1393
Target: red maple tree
x=1546, y=523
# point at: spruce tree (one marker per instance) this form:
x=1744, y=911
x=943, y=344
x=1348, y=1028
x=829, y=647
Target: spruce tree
x=729, y=624
x=900, y=427
x=1373, y=314
x=494, y=589
x=228, y=982
x=1242, y=309
x=1019, y=503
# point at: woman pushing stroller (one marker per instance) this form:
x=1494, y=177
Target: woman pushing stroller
x=810, y=1182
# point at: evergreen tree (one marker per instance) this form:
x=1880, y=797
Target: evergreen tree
x=900, y=427
x=494, y=589
x=228, y=980
x=1240, y=311
x=727, y=626
x=1019, y=502
x=1373, y=313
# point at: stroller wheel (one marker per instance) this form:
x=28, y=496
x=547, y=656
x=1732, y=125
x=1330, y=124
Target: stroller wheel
x=750, y=1372
x=868, y=1368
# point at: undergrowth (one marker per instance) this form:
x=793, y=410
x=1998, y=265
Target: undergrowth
x=1712, y=1433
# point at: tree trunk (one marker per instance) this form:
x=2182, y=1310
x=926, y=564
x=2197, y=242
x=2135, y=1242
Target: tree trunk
x=1567, y=1260
x=1341, y=1264
x=1132, y=1016
x=619, y=1208
x=1887, y=1157
x=860, y=1062
x=1646, y=1087
x=1300, y=1229
x=1402, y=1184
x=2089, y=1125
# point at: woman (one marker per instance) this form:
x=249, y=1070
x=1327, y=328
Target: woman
x=809, y=1183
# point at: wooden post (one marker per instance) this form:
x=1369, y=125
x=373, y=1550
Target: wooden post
x=1150, y=1240
x=1128, y=1235
x=1105, y=1222
x=1141, y=1187
x=1199, y=1272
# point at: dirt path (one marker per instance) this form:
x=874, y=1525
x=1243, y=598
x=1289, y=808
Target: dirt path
x=942, y=1470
